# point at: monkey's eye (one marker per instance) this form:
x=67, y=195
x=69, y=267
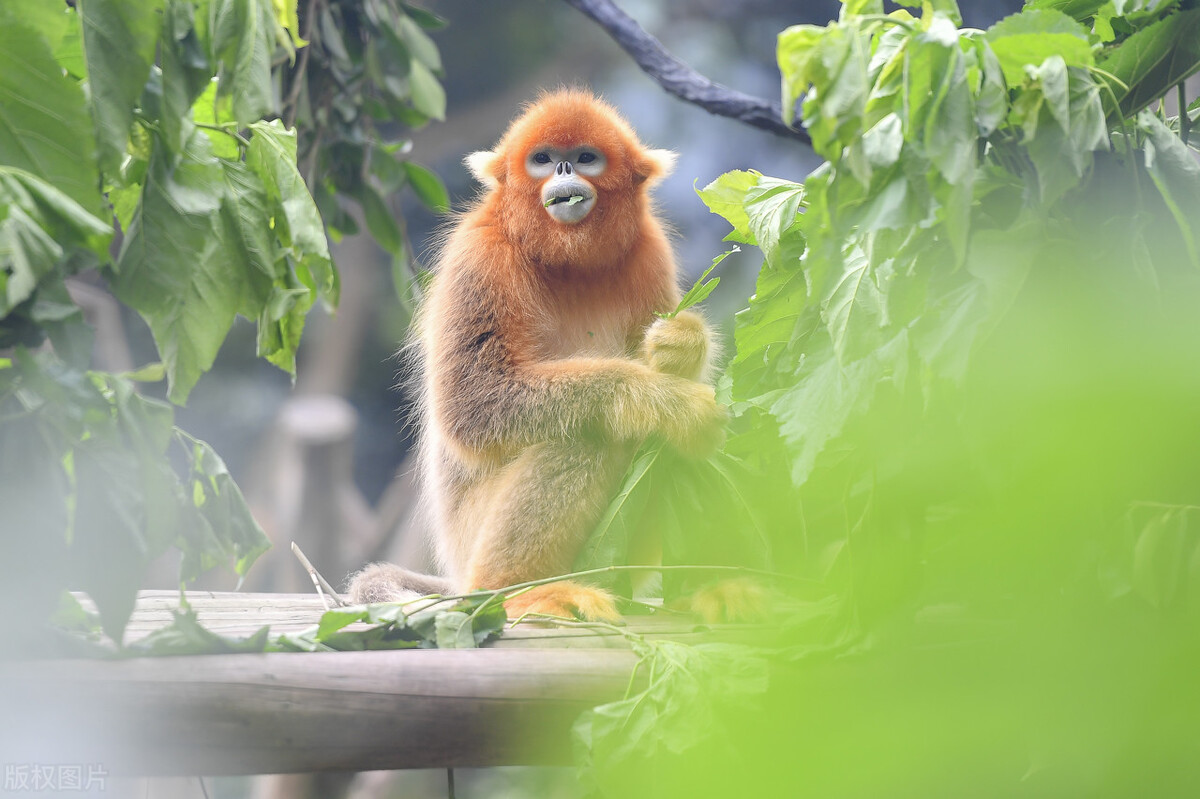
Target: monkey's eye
x=587, y=158
x=542, y=158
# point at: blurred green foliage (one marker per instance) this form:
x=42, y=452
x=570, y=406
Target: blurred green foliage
x=965, y=397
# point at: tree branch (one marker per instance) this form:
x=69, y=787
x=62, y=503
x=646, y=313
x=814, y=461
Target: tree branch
x=681, y=80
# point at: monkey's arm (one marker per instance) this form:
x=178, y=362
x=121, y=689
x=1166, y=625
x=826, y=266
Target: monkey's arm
x=487, y=399
x=507, y=406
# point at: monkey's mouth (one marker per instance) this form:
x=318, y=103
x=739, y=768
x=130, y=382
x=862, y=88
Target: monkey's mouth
x=569, y=204
x=568, y=199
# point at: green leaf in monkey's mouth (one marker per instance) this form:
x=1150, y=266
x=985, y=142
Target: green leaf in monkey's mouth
x=571, y=200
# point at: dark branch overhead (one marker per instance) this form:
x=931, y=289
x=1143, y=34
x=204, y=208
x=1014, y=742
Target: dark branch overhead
x=681, y=80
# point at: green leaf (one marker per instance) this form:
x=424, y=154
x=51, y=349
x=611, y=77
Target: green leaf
x=287, y=17
x=454, y=630
x=1151, y=61
x=337, y=618
x=828, y=394
x=175, y=266
x=621, y=745
x=44, y=124
x=27, y=254
x=608, y=543
x=184, y=75
x=186, y=636
x=1177, y=176
x=428, y=96
x=243, y=39
x=991, y=98
x=380, y=219
x=726, y=197
x=150, y=373
x=69, y=50
x=428, y=187
x=854, y=308
x=217, y=111
x=772, y=207
x=419, y=43
x=62, y=320
x=38, y=224
x=49, y=20
x=1032, y=36
x=883, y=142
x=119, y=39
x=940, y=114
x=426, y=19
x=1079, y=10
x=796, y=52
x=272, y=156
x=702, y=287
x=222, y=520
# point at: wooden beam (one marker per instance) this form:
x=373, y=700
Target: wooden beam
x=288, y=713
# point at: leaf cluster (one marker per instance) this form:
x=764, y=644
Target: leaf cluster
x=369, y=73
x=92, y=496
x=154, y=147
x=462, y=624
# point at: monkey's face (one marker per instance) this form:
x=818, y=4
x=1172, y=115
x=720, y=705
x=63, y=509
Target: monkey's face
x=566, y=194
x=573, y=158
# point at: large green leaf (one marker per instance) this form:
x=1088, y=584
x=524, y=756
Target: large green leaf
x=44, y=123
x=119, y=41
x=175, y=266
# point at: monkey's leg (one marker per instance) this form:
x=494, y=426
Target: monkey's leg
x=544, y=505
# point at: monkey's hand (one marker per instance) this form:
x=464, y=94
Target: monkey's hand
x=678, y=346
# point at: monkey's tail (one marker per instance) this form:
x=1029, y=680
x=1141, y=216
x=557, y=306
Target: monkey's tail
x=387, y=582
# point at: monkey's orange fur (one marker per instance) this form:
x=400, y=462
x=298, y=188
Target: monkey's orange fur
x=540, y=378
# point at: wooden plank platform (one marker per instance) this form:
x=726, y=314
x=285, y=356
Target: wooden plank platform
x=511, y=703
x=236, y=614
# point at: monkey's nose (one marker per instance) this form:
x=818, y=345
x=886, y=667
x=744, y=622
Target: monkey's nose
x=564, y=168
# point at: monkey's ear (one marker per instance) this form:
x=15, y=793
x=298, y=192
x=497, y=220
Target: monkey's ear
x=655, y=165
x=485, y=166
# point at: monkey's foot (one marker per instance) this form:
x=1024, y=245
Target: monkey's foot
x=566, y=599
x=387, y=582
x=738, y=599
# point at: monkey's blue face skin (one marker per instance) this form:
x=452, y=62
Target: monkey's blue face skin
x=567, y=195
